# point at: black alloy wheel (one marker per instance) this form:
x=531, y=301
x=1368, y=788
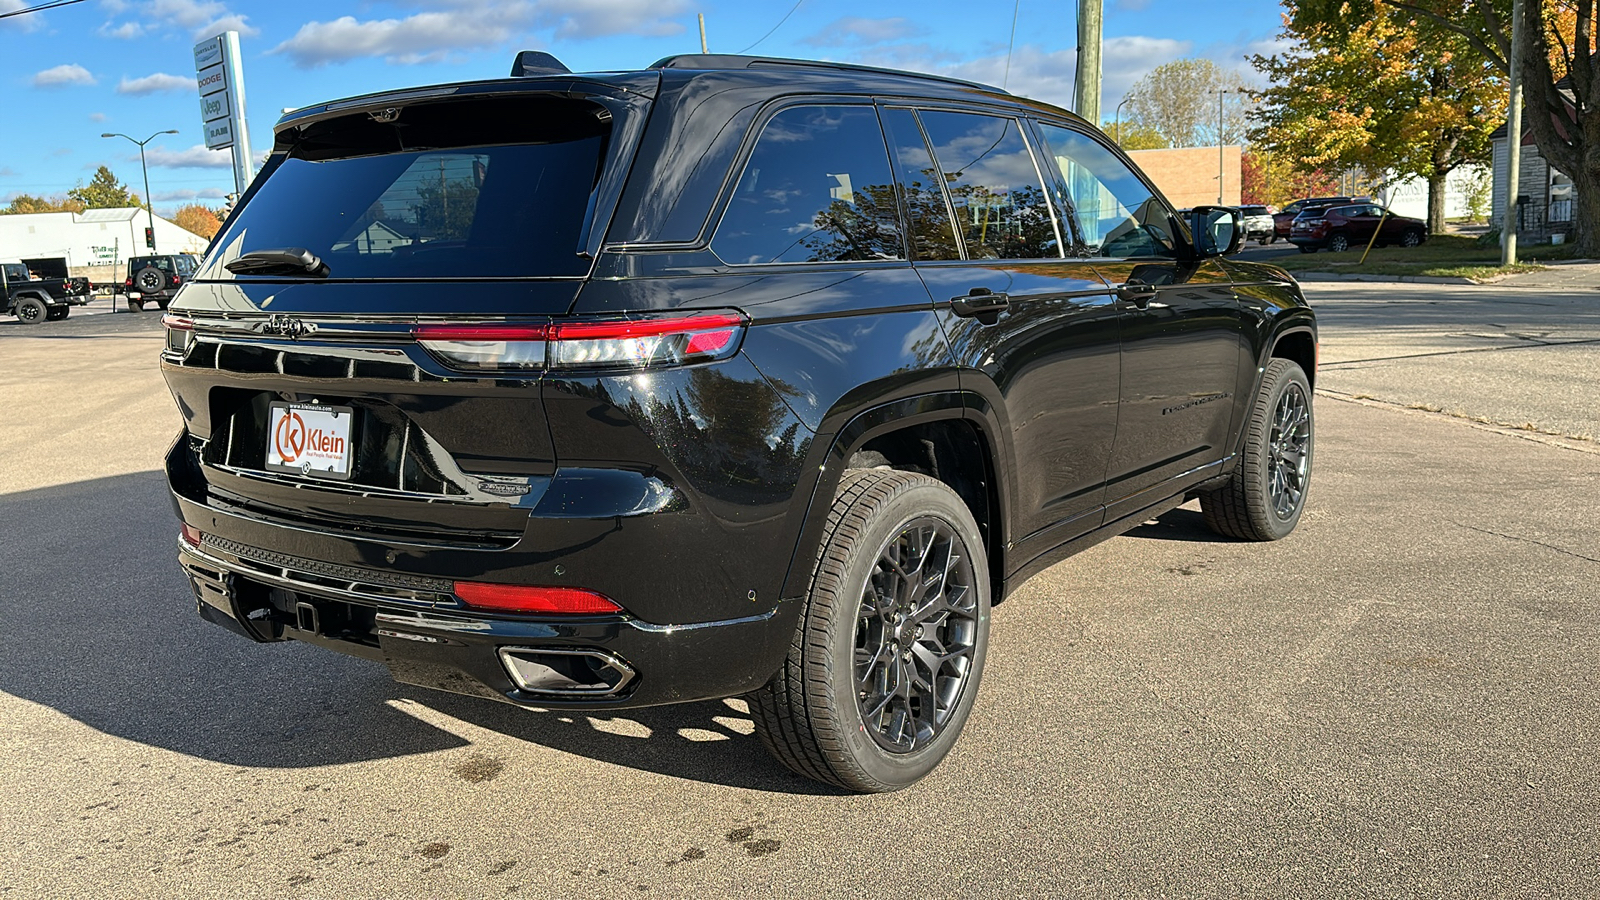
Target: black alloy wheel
x=1263, y=499
x=31, y=311
x=1289, y=451
x=887, y=657
x=915, y=635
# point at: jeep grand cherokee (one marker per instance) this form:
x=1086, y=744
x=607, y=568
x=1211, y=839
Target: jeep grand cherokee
x=730, y=376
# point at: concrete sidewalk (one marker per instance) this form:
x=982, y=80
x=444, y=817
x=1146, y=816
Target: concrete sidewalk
x=1563, y=274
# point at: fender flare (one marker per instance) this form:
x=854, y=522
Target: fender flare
x=833, y=453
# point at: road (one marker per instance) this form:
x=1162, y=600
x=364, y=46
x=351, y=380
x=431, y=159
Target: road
x=1398, y=700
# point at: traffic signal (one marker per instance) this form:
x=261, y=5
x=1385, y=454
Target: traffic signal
x=150, y=237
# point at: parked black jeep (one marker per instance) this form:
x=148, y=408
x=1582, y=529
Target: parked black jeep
x=40, y=290
x=729, y=376
x=156, y=279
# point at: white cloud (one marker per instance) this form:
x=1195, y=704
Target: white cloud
x=150, y=84
x=1050, y=76
x=196, y=157
x=188, y=195
x=7, y=172
x=859, y=32
x=30, y=22
x=127, y=31
x=62, y=75
x=419, y=38
x=97, y=117
x=470, y=25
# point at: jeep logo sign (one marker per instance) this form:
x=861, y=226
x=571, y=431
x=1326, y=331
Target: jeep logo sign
x=213, y=108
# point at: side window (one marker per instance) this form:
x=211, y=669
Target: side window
x=817, y=188
x=1000, y=205
x=932, y=234
x=1117, y=215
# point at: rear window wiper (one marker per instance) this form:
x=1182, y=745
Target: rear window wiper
x=283, y=261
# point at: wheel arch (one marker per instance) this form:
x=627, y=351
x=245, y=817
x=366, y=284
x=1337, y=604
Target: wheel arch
x=1298, y=344
x=939, y=435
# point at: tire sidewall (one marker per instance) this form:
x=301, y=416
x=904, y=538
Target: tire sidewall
x=1281, y=377
x=897, y=770
x=32, y=310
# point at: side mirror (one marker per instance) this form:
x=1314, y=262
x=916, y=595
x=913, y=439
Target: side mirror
x=1216, y=230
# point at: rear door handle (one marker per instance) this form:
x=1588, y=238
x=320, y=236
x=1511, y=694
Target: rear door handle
x=1137, y=293
x=981, y=303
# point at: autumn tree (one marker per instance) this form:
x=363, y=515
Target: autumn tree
x=1179, y=101
x=1134, y=136
x=197, y=219
x=27, y=203
x=104, y=191
x=1274, y=179
x=1558, y=62
x=1383, y=96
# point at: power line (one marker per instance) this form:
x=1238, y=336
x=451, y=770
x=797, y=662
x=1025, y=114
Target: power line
x=774, y=28
x=39, y=8
x=1012, y=44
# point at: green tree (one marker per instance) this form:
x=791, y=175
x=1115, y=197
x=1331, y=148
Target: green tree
x=1179, y=102
x=104, y=191
x=1558, y=61
x=27, y=203
x=1134, y=136
x=1380, y=96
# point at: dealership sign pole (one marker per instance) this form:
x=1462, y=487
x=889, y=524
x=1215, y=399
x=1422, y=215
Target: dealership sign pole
x=220, y=73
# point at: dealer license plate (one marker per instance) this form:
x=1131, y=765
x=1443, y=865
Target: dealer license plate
x=309, y=440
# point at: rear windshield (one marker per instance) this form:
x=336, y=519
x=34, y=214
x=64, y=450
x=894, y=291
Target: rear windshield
x=470, y=188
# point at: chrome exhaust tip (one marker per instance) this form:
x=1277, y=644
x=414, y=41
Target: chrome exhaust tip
x=567, y=674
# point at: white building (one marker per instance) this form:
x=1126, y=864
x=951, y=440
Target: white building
x=1410, y=197
x=96, y=237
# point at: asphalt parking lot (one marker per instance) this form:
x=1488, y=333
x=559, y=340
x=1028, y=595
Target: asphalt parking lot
x=1399, y=700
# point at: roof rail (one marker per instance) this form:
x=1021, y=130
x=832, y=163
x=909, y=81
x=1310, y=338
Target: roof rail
x=730, y=61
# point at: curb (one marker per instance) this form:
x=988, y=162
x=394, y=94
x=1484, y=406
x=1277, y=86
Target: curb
x=1388, y=279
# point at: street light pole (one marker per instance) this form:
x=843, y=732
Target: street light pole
x=1125, y=99
x=1219, y=92
x=149, y=205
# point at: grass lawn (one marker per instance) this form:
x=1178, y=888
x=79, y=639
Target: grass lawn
x=1443, y=255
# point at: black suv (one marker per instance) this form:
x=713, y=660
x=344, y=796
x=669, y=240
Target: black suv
x=728, y=376
x=157, y=279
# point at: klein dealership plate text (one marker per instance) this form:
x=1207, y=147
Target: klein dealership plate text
x=309, y=440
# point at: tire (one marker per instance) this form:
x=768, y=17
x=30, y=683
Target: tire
x=887, y=730
x=136, y=305
x=1338, y=243
x=1306, y=249
x=150, y=280
x=1412, y=238
x=31, y=310
x=1271, y=239
x=59, y=312
x=1264, y=498
x=163, y=302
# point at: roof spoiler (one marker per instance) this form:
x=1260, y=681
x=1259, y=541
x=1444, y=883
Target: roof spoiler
x=537, y=62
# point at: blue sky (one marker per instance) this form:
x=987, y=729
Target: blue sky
x=127, y=65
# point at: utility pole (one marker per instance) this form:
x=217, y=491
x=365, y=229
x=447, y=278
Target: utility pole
x=1086, y=87
x=1508, y=215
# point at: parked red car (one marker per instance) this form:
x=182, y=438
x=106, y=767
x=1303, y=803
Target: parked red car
x=1338, y=228
x=1283, y=219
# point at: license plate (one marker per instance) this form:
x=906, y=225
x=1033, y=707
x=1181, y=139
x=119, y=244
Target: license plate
x=309, y=440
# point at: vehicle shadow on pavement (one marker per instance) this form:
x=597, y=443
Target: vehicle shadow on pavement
x=99, y=625
x=1179, y=524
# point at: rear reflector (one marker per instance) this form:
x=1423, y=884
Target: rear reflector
x=191, y=535
x=532, y=599
x=596, y=344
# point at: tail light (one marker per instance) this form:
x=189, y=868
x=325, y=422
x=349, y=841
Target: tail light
x=177, y=280
x=191, y=535
x=595, y=344
x=128, y=282
x=180, y=332
x=519, y=598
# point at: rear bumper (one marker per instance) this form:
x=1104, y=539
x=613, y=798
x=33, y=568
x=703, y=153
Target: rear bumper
x=1303, y=240
x=426, y=638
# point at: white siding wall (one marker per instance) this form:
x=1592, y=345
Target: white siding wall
x=94, y=238
x=1410, y=197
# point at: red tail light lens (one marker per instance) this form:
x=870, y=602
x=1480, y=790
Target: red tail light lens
x=180, y=332
x=599, y=344
x=531, y=599
x=191, y=535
